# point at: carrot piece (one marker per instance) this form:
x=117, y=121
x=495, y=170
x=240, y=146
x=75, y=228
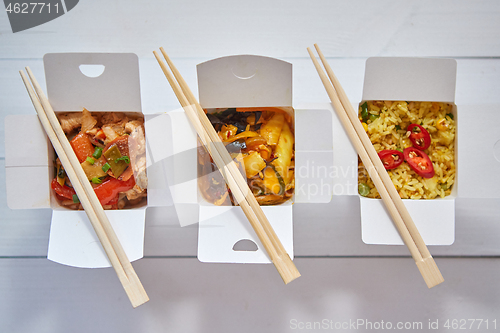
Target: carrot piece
x=82, y=146
x=129, y=172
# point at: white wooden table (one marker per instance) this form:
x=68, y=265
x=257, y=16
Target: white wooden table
x=344, y=280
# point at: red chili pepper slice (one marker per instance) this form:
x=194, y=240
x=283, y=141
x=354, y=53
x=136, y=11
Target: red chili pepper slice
x=65, y=192
x=419, y=162
x=110, y=189
x=419, y=136
x=391, y=159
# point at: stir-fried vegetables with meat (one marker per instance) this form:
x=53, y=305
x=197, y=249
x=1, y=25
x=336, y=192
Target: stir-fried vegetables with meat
x=261, y=142
x=111, y=149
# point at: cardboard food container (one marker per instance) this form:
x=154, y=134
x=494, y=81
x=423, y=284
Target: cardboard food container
x=253, y=81
x=413, y=79
x=113, y=86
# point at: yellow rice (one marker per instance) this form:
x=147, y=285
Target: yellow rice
x=388, y=131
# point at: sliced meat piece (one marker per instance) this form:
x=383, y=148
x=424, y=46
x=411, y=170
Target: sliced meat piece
x=70, y=121
x=132, y=125
x=113, y=118
x=135, y=193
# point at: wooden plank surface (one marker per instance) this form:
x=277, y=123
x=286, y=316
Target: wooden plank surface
x=189, y=296
x=40, y=296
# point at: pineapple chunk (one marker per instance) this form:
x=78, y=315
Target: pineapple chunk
x=254, y=163
x=284, y=151
x=272, y=129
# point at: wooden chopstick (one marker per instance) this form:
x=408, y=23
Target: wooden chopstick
x=226, y=157
x=104, y=231
x=230, y=172
x=375, y=159
x=395, y=206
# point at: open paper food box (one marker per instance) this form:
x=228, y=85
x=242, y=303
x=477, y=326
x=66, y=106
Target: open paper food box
x=247, y=81
x=412, y=80
x=113, y=86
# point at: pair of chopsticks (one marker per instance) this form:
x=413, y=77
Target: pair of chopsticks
x=85, y=193
x=238, y=185
x=377, y=172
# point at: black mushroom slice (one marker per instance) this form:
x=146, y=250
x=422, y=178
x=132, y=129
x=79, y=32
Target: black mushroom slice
x=236, y=146
x=215, y=121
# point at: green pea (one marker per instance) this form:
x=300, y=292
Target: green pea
x=363, y=189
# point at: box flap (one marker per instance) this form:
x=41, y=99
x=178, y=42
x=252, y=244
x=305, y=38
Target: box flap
x=36, y=179
x=314, y=179
x=478, y=164
x=410, y=79
x=157, y=162
x=73, y=241
x=180, y=159
x=27, y=163
x=116, y=89
x=434, y=219
x=222, y=227
x=326, y=162
x=34, y=147
x=245, y=81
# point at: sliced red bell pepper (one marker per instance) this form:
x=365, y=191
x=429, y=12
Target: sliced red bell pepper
x=110, y=189
x=419, y=162
x=419, y=136
x=82, y=146
x=63, y=191
x=391, y=159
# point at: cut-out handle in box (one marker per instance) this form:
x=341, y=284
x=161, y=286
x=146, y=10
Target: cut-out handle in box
x=245, y=81
x=69, y=89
